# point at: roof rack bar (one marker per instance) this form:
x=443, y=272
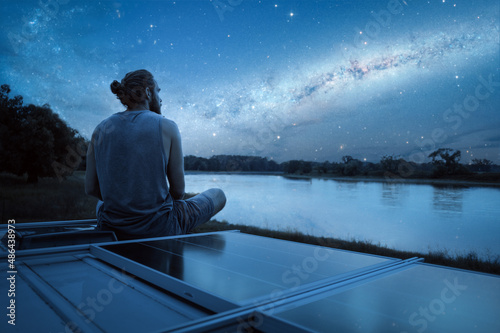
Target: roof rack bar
x=62, y=307
x=50, y=223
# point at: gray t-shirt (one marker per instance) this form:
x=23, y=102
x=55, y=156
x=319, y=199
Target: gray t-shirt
x=131, y=169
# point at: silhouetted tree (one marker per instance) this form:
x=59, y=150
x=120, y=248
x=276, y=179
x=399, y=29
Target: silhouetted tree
x=307, y=167
x=10, y=128
x=292, y=166
x=273, y=166
x=346, y=159
x=481, y=165
x=352, y=167
x=446, y=161
x=389, y=163
x=36, y=141
x=214, y=164
x=191, y=163
x=324, y=167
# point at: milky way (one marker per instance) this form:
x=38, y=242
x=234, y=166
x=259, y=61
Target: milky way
x=268, y=107
x=258, y=80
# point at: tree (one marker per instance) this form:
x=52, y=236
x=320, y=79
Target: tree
x=273, y=166
x=481, y=165
x=325, y=167
x=10, y=128
x=307, y=167
x=36, y=141
x=446, y=161
x=352, y=167
x=214, y=164
x=346, y=159
x=389, y=163
x=293, y=166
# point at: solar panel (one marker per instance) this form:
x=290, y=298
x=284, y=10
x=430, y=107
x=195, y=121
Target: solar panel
x=100, y=298
x=226, y=270
x=418, y=298
x=228, y=281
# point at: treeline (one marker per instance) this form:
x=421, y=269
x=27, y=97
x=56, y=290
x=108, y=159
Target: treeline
x=231, y=163
x=444, y=164
x=35, y=141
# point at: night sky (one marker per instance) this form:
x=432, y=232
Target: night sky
x=312, y=80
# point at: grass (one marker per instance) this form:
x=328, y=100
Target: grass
x=48, y=200
x=51, y=200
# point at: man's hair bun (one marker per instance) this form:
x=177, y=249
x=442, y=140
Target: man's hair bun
x=117, y=88
x=131, y=90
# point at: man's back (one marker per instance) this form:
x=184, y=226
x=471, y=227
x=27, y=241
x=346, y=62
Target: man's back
x=131, y=167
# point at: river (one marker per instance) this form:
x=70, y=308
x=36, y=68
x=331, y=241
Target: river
x=415, y=217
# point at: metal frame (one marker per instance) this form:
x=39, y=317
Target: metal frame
x=86, y=247
x=60, y=305
x=66, y=310
x=242, y=321
x=51, y=224
x=346, y=284
x=164, y=281
x=126, y=278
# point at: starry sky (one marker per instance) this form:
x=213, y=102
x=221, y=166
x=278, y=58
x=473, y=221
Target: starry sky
x=312, y=80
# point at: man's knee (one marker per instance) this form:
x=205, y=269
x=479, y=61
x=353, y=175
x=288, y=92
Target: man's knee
x=218, y=197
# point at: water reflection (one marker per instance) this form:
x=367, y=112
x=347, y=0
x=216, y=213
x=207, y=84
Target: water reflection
x=347, y=185
x=393, y=194
x=347, y=189
x=448, y=201
x=168, y=260
x=168, y=255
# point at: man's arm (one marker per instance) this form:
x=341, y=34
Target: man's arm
x=173, y=151
x=91, y=181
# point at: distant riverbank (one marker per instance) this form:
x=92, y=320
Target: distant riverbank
x=490, y=179
x=475, y=180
